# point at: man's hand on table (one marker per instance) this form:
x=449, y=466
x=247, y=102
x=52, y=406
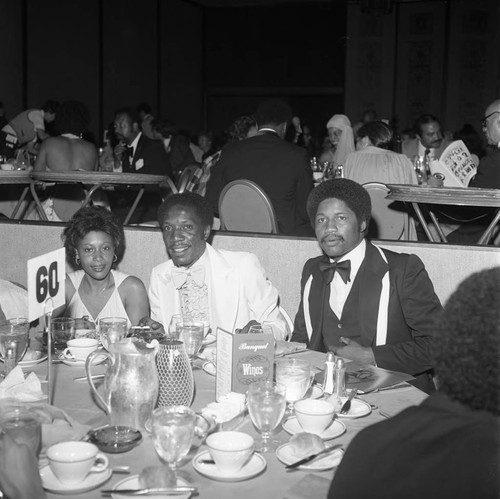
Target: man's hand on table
x=354, y=351
x=152, y=324
x=244, y=330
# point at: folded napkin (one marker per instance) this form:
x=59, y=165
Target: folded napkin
x=15, y=386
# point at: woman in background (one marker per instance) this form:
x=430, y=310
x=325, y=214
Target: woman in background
x=341, y=139
x=95, y=243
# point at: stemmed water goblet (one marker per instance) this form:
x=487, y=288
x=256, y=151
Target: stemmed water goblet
x=296, y=376
x=173, y=432
x=266, y=406
x=112, y=329
x=191, y=334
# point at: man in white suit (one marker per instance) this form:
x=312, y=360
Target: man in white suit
x=225, y=289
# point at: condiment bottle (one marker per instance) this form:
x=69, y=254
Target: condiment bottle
x=340, y=378
x=329, y=379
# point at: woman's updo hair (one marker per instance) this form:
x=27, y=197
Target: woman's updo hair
x=379, y=133
x=93, y=219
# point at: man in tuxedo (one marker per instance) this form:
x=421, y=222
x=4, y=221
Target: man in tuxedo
x=279, y=167
x=448, y=446
x=429, y=139
x=226, y=289
x=369, y=305
x=137, y=154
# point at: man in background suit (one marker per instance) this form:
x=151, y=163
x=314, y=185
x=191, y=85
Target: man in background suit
x=366, y=304
x=137, y=154
x=280, y=168
x=429, y=136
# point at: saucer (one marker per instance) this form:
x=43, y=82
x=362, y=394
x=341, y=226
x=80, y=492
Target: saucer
x=81, y=363
x=287, y=456
x=33, y=362
x=359, y=408
x=315, y=392
x=255, y=465
x=209, y=368
x=132, y=482
x=335, y=429
x=52, y=484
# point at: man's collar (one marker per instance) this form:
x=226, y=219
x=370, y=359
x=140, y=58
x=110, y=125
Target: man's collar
x=135, y=141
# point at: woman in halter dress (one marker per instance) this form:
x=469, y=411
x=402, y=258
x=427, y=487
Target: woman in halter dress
x=95, y=243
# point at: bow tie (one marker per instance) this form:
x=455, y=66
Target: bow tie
x=180, y=275
x=329, y=269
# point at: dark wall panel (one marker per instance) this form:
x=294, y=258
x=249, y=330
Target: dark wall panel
x=181, y=55
x=11, y=56
x=63, y=49
x=129, y=53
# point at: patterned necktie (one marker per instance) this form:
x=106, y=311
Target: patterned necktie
x=329, y=269
x=180, y=275
x=427, y=159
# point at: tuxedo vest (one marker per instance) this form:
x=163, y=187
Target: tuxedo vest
x=348, y=325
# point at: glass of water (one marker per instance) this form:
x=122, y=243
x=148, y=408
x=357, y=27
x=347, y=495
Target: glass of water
x=13, y=342
x=173, y=432
x=191, y=334
x=112, y=329
x=266, y=406
x=62, y=330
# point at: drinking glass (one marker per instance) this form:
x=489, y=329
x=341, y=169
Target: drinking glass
x=260, y=328
x=266, y=405
x=173, y=433
x=63, y=330
x=112, y=329
x=13, y=342
x=172, y=328
x=191, y=334
x=296, y=376
x=23, y=425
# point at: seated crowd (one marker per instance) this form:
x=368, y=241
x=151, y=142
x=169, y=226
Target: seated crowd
x=271, y=148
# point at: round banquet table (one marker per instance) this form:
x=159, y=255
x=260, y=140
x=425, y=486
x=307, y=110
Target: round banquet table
x=76, y=399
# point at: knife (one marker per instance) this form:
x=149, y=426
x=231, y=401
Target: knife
x=313, y=456
x=151, y=492
x=347, y=405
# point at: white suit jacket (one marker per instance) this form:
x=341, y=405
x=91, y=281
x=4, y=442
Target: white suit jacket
x=238, y=288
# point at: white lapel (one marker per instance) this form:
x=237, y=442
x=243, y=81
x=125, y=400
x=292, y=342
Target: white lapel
x=169, y=299
x=305, y=304
x=383, y=307
x=225, y=292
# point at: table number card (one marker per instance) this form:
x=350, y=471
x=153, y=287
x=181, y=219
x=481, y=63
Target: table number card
x=46, y=279
x=242, y=359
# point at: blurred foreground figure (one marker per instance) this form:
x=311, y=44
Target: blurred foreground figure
x=448, y=447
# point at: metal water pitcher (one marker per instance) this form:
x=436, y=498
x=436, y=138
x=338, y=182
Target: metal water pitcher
x=131, y=382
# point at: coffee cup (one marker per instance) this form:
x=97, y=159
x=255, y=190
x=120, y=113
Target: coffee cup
x=80, y=348
x=71, y=462
x=314, y=415
x=230, y=450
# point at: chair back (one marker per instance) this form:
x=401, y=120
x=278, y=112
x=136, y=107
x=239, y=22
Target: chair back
x=245, y=207
x=387, y=221
x=186, y=176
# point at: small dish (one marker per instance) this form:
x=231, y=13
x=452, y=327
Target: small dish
x=254, y=466
x=115, y=439
x=81, y=363
x=315, y=392
x=287, y=456
x=132, y=482
x=52, y=484
x=38, y=358
x=334, y=430
x=359, y=408
x=209, y=368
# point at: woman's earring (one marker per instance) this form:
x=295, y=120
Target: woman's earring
x=115, y=258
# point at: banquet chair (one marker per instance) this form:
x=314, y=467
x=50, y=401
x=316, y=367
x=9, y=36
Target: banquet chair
x=387, y=221
x=186, y=176
x=245, y=207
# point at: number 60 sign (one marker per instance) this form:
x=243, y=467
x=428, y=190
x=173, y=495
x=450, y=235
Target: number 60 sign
x=46, y=278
